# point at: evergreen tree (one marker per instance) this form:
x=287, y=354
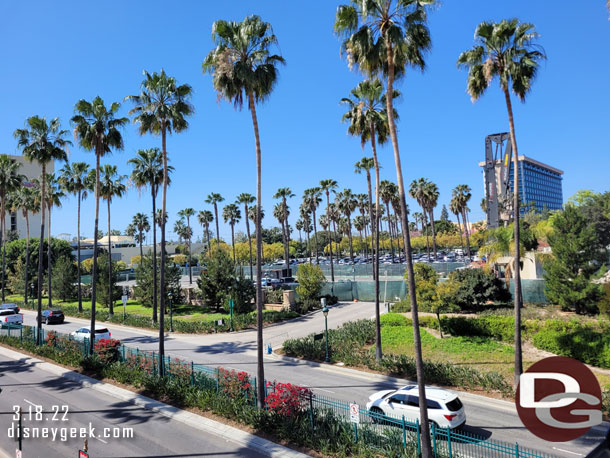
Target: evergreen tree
x=103, y=282
x=444, y=213
x=64, y=278
x=144, y=280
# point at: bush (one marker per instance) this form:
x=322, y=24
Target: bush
x=402, y=306
x=330, y=299
x=287, y=399
x=477, y=288
x=393, y=319
x=311, y=280
x=497, y=327
x=107, y=350
x=275, y=297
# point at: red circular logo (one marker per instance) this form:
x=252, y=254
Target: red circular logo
x=559, y=399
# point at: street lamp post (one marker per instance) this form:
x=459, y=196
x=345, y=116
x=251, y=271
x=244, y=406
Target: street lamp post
x=231, y=305
x=32, y=292
x=325, y=312
x=171, y=312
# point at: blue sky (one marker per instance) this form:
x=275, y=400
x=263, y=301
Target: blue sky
x=55, y=53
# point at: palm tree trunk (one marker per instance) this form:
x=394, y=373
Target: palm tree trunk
x=188, y=223
x=368, y=181
x=233, y=242
x=3, y=242
x=78, y=271
x=457, y=215
x=217, y=227
x=426, y=448
x=110, y=298
x=308, y=244
x=141, y=237
x=207, y=232
x=249, y=240
x=43, y=205
x=349, y=235
x=98, y=154
x=433, y=232
x=27, y=256
x=517, y=270
x=315, y=235
x=390, y=229
x=49, y=261
x=425, y=223
x=260, y=369
x=466, y=233
x=162, y=286
x=154, y=253
x=375, y=234
x=332, y=268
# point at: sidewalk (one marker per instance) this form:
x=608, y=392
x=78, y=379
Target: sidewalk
x=207, y=425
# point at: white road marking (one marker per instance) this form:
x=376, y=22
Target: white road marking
x=31, y=403
x=567, y=451
x=101, y=440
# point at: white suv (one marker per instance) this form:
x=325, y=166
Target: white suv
x=444, y=407
x=85, y=333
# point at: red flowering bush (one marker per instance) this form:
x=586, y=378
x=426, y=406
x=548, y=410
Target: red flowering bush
x=234, y=384
x=141, y=361
x=287, y=399
x=179, y=369
x=52, y=339
x=107, y=350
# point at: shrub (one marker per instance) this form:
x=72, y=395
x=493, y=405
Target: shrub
x=402, y=306
x=107, y=350
x=476, y=288
x=275, y=296
x=287, y=399
x=393, y=319
x=234, y=384
x=311, y=280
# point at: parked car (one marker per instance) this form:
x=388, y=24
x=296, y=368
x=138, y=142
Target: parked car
x=10, y=317
x=444, y=407
x=14, y=307
x=84, y=333
x=53, y=316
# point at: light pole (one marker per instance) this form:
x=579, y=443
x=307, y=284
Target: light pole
x=32, y=292
x=325, y=312
x=231, y=305
x=171, y=312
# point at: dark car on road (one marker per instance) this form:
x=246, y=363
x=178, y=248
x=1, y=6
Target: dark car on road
x=14, y=307
x=53, y=316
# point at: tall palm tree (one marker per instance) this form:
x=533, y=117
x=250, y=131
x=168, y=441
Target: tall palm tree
x=298, y=225
x=162, y=108
x=365, y=165
x=454, y=207
x=148, y=171
x=243, y=68
x=311, y=200
x=247, y=199
x=506, y=50
x=10, y=181
x=111, y=186
x=231, y=214
x=54, y=196
x=461, y=194
x=327, y=186
x=27, y=203
x=42, y=142
x=431, y=193
x=388, y=190
x=97, y=129
x=141, y=225
x=186, y=214
x=304, y=211
x=205, y=217
x=387, y=36
x=364, y=205
x=347, y=204
x=417, y=190
x=74, y=179
x=284, y=194
x=214, y=199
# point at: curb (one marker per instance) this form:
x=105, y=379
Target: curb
x=229, y=433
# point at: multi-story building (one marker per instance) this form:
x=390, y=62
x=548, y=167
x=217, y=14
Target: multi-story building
x=16, y=221
x=539, y=186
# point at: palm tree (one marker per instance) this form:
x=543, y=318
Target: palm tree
x=111, y=185
x=10, y=181
x=98, y=129
x=506, y=50
x=187, y=213
x=180, y=230
x=388, y=190
x=54, y=196
x=386, y=36
x=74, y=179
x=311, y=200
x=365, y=165
x=364, y=205
x=42, y=142
x=327, y=186
x=247, y=199
x=461, y=195
x=431, y=193
x=141, y=224
x=304, y=211
x=454, y=207
x=284, y=194
x=161, y=108
x=298, y=225
x=347, y=204
x=417, y=190
x=148, y=171
x=27, y=203
x=231, y=214
x=243, y=67
x=205, y=217
x=214, y=199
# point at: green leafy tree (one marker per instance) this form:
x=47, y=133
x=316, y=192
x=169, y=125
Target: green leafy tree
x=604, y=303
x=506, y=50
x=243, y=67
x=42, y=142
x=216, y=281
x=108, y=291
x=311, y=280
x=444, y=301
x=575, y=259
x=444, y=213
x=145, y=273
x=64, y=277
x=477, y=288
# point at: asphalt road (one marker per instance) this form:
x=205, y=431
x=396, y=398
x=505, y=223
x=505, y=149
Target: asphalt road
x=486, y=417
x=154, y=435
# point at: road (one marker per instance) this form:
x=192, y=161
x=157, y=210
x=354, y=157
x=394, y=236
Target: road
x=27, y=386
x=487, y=417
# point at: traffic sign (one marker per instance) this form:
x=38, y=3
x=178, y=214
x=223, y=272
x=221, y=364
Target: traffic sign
x=18, y=453
x=82, y=454
x=124, y=299
x=354, y=413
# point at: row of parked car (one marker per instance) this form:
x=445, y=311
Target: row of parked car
x=9, y=315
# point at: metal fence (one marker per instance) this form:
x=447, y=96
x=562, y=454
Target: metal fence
x=398, y=435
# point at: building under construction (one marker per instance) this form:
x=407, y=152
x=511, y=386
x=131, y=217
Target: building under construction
x=539, y=184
